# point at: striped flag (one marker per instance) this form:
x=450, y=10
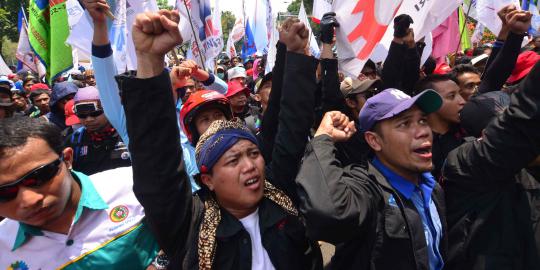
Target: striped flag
x=47, y=32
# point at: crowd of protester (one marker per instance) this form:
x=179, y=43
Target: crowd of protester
x=408, y=165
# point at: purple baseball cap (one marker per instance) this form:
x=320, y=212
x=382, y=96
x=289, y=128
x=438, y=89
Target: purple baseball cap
x=87, y=93
x=392, y=102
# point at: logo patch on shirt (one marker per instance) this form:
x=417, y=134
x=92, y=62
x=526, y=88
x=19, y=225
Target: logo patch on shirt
x=392, y=201
x=84, y=150
x=18, y=265
x=119, y=213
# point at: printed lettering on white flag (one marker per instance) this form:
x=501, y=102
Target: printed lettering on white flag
x=320, y=7
x=486, y=11
x=313, y=46
x=362, y=25
x=257, y=15
x=24, y=51
x=207, y=36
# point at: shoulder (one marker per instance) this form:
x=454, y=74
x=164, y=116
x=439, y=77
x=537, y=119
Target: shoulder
x=8, y=233
x=115, y=181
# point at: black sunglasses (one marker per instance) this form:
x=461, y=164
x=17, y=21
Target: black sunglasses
x=33, y=179
x=93, y=114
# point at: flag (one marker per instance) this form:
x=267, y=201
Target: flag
x=236, y=34
x=20, y=18
x=205, y=39
x=25, y=55
x=531, y=6
x=272, y=50
x=362, y=25
x=464, y=31
x=249, y=48
x=320, y=7
x=313, y=46
x=48, y=30
x=4, y=69
x=478, y=33
x=446, y=37
x=258, y=12
x=486, y=11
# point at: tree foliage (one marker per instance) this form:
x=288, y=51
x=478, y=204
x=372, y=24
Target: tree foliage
x=163, y=4
x=8, y=19
x=227, y=23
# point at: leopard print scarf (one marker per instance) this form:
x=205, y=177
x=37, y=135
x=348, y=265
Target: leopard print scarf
x=212, y=217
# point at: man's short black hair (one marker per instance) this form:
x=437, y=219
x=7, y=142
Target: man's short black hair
x=15, y=131
x=462, y=69
x=429, y=82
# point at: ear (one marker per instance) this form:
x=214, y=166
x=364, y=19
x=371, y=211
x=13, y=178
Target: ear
x=373, y=140
x=206, y=179
x=68, y=157
x=351, y=103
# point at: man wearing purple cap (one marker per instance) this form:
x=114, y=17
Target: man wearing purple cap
x=96, y=145
x=388, y=214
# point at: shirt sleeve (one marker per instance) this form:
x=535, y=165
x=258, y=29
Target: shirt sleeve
x=104, y=71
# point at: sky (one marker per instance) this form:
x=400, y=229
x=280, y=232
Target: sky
x=235, y=6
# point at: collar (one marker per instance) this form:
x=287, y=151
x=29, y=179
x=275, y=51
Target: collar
x=90, y=199
x=405, y=187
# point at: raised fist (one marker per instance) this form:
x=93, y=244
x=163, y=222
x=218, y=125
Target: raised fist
x=328, y=23
x=295, y=37
x=519, y=21
x=401, y=25
x=336, y=125
x=156, y=33
x=97, y=9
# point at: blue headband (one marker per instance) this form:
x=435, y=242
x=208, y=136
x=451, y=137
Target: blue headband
x=218, y=144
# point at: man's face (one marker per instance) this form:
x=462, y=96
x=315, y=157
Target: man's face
x=20, y=101
x=206, y=117
x=62, y=103
x=242, y=80
x=238, y=177
x=42, y=102
x=40, y=206
x=238, y=101
x=89, y=78
x=28, y=86
x=452, y=101
x=367, y=73
x=235, y=62
x=94, y=121
x=403, y=142
x=536, y=42
x=264, y=95
x=468, y=84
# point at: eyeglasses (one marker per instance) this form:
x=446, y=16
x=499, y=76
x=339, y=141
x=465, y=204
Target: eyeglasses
x=93, y=114
x=33, y=179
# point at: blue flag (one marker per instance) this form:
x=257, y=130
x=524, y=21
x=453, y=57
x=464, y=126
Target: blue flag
x=249, y=48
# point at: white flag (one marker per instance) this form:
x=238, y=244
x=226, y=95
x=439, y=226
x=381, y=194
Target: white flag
x=320, y=7
x=272, y=51
x=24, y=51
x=313, y=46
x=236, y=34
x=4, y=69
x=257, y=13
x=486, y=11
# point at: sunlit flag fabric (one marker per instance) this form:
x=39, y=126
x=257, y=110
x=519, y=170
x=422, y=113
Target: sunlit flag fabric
x=320, y=7
x=236, y=34
x=24, y=53
x=48, y=30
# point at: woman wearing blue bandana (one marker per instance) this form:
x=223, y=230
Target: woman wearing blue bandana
x=245, y=215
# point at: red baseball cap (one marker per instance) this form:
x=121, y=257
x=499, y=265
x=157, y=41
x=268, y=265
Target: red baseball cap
x=524, y=64
x=39, y=86
x=235, y=87
x=71, y=118
x=442, y=68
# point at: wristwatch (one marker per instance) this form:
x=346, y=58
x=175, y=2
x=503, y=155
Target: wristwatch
x=161, y=262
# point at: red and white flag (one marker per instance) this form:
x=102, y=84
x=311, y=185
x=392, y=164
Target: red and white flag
x=320, y=7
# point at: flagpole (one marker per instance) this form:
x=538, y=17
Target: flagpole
x=464, y=25
x=195, y=35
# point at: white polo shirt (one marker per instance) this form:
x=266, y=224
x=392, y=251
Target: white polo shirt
x=108, y=231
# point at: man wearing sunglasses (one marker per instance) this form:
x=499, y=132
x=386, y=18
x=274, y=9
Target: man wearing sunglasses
x=59, y=218
x=97, y=146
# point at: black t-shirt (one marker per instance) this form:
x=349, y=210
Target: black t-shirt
x=90, y=157
x=443, y=144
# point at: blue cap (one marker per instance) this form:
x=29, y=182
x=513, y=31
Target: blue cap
x=392, y=102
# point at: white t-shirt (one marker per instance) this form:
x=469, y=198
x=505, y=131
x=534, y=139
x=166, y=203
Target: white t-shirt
x=259, y=256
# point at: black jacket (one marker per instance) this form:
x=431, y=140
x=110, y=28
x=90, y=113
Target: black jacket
x=349, y=207
x=493, y=205
x=401, y=69
x=90, y=157
x=162, y=185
